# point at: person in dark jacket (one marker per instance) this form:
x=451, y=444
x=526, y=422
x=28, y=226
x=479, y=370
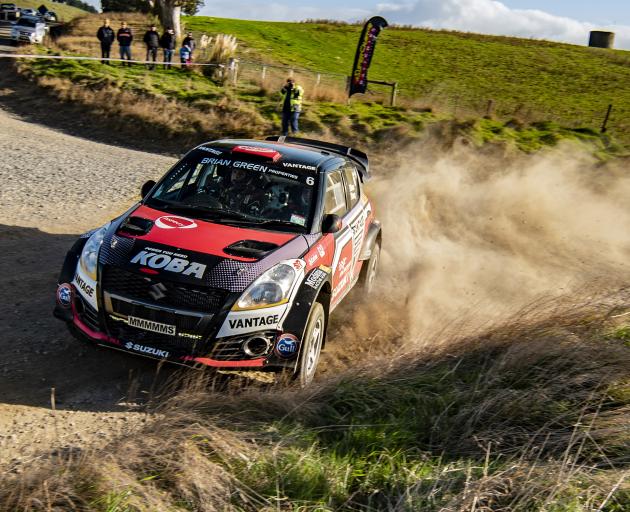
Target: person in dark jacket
x=106, y=36
x=168, y=42
x=124, y=36
x=189, y=41
x=152, y=40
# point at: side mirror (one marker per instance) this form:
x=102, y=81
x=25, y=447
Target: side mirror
x=331, y=223
x=146, y=188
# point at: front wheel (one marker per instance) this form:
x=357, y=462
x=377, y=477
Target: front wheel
x=311, y=345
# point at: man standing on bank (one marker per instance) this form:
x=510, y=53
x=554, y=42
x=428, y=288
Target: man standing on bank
x=106, y=36
x=168, y=42
x=152, y=40
x=124, y=36
x=292, y=106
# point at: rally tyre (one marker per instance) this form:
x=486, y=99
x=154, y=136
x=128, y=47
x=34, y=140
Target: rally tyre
x=370, y=269
x=311, y=346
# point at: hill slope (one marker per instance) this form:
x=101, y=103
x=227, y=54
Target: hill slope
x=65, y=12
x=527, y=78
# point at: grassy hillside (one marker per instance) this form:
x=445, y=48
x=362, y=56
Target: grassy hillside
x=532, y=79
x=65, y=12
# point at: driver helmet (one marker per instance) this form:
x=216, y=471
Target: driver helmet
x=279, y=197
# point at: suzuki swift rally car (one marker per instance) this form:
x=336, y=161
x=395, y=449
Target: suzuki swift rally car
x=235, y=259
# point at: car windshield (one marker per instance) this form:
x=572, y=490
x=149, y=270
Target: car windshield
x=23, y=22
x=230, y=190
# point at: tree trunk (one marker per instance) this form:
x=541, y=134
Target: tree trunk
x=170, y=14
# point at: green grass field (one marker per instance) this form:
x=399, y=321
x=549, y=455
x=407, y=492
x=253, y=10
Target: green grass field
x=533, y=79
x=65, y=12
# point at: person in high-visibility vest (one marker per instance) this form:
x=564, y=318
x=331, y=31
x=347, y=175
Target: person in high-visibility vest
x=292, y=106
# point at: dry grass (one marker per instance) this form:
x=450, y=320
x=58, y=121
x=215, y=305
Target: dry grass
x=529, y=416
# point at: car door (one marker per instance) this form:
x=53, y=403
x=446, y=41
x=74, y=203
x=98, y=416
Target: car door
x=342, y=197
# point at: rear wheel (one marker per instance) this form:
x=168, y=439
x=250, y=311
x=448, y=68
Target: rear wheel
x=370, y=269
x=311, y=345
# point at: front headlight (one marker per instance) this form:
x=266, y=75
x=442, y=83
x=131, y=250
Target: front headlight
x=270, y=289
x=89, y=255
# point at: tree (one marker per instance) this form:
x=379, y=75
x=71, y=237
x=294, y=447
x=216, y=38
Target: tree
x=125, y=6
x=169, y=11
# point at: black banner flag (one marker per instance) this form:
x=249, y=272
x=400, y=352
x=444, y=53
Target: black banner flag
x=365, y=50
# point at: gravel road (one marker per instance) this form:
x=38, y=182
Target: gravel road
x=55, y=186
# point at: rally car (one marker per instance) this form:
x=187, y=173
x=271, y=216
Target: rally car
x=235, y=259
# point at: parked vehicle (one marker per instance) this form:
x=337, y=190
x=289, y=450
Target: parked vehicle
x=50, y=16
x=29, y=29
x=235, y=259
x=29, y=12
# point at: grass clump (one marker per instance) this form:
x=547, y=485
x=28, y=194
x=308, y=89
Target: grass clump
x=529, y=416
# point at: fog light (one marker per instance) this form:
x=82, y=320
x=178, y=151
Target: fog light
x=256, y=346
x=64, y=295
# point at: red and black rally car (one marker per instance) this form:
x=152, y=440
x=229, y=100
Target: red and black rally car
x=234, y=259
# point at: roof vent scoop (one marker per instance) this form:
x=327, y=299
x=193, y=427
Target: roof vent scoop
x=258, y=152
x=250, y=249
x=135, y=226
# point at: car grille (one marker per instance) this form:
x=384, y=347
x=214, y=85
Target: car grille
x=164, y=293
x=87, y=314
x=190, y=338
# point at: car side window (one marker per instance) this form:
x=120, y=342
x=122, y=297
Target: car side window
x=335, y=198
x=352, y=183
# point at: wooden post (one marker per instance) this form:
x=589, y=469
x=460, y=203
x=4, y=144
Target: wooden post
x=319, y=79
x=263, y=74
x=605, y=125
x=489, y=109
x=394, y=93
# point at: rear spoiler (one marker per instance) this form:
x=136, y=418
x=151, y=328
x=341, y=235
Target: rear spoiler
x=354, y=154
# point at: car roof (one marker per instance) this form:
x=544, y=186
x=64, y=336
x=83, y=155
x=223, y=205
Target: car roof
x=299, y=151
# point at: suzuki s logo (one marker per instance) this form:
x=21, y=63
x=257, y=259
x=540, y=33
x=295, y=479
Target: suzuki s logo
x=175, y=222
x=157, y=291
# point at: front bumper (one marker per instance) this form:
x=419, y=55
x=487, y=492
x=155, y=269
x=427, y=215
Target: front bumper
x=114, y=333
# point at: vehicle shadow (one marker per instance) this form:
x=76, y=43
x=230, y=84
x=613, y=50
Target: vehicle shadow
x=38, y=353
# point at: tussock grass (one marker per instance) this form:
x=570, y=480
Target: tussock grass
x=531, y=415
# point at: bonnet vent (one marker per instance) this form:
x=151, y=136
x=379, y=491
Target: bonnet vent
x=136, y=226
x=250, y=249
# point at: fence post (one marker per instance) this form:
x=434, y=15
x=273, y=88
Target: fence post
x=605, y=125
x=233, y=70
x=489, y=109
x=394, y=93
x=263, y=74
x=319, y=79
x=290, y=73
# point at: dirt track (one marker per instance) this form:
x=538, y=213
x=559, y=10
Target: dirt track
x=55, y=186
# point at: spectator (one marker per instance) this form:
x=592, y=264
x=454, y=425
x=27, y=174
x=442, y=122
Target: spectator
x=184, y=55
x=292, y=106
x=152, y=40
x=168, y=42
x=125, y=38
x=189, y=41
x=106, y=36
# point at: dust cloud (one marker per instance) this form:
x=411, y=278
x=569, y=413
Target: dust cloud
x=471, y=239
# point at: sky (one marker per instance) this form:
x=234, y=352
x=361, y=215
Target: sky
x=559, y=20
